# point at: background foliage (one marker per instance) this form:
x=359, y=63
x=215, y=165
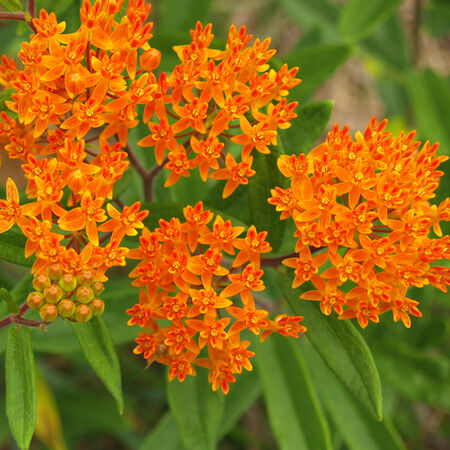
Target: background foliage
x=382, y=57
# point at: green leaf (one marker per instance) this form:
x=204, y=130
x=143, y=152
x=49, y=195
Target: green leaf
x=414, y=375
x=388, y=44
x=316, y=65
x=162, y=210
x=12, y=247
x=11, y=5
x=430, y=98
x=307, y=13
x=182, y=15
x=97, y=345
x=263, y=215
x=21, y=399
x=359, y=429
x=295, y=414
x=360, y=17
x=164, y=436
x=197, y=410
x=7, y=297
x=342, y=348
x=310, y=124
x=242, y=395
x=5, y=95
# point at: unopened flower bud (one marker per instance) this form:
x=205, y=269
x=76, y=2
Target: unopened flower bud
x=150, y=59
x=66, y=308
x=98, y=306
x=40, y=282
x=98, y=287
x=48, y=312
x=53, y=294
x=84, y=294
x=83, y=313
x=55, y=271
x=35, y=300
x=85, y=278
x=67, y=282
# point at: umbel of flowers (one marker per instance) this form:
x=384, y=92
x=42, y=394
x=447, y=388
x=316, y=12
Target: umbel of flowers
x=71, y=107
x=201, y=279
x=363, y=207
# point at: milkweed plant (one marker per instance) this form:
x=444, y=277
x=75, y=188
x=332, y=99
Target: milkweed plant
x=364, y=224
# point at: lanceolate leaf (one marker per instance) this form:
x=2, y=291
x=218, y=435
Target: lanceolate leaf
x=164, y=436
x=97, y=345
x=5, y=95
x=342, y=348
x=360, y=17
x=263, y=215
x=316, y=65
x=198, y=411
x=358, y=429
x=294, y=411
x=21, y=400
x=12, y=248
x=305, y=129
x=242, y=395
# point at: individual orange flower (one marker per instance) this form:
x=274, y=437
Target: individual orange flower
x=10, y=209
x=86, y=216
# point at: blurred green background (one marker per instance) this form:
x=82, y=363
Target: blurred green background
x=381, y=57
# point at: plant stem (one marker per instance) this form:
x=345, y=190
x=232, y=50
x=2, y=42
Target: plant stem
x=135, y=162
x=17, y=318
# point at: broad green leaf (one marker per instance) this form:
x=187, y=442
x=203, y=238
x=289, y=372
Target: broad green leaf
x=197, y=410
x=360, y=17
x=97, y=345
x=359, y=429
x=263, y=215
x=316, y=65
x=11, y=5
x=12, y=248
x=430, y=98
x=307, y=13
x=164, y=436
x=342, y=348
x=182, y=15
x=295, y=414
x=21, y=400
x=294, y=411
x=388, y=45
x=310, y=124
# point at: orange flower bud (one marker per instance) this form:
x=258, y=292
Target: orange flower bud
x=40, y=282
x=83, y=313
x=98, y=287
x=84, y=294
x=66, y=308
x=85, y=278
x=68, y=282
x=98, y=306
x=150, y=59
x=35, y=300
x=55, y=271
x=48, y=312
x=53, y=293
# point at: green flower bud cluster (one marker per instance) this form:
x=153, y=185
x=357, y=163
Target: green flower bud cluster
x=66, y=295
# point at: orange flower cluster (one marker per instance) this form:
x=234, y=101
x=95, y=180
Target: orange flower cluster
x=213, y=91
x=362, y=206
x=189, y=279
